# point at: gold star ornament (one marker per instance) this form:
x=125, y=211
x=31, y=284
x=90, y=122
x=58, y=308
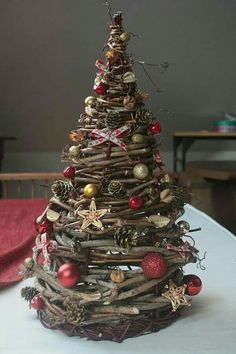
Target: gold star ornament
x=91, y=216
x=176, y=295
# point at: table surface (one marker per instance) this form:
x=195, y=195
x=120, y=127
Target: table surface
x=203, y=134
x=208, y=326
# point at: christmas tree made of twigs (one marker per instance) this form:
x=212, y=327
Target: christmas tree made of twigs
x=109, y=255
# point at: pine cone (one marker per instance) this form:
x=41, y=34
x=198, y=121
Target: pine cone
x=61, y=190
x=117, y=189
x=28, y=293
x=143, y=116
x=126, y=237
x=75, y=313
x=113, y=120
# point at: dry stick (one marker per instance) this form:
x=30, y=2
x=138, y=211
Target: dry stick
x=149, y=284
x=135, y=189
x=56, y=201
x=88, y=297
x=128, y=310
x=92, y=150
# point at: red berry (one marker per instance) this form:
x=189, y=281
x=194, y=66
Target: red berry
x=155, y=128
x=68, y=275
x=37, y=302
x=69, y=172
x=135, y=202
x=45, y=226
x=154, y=265
x=194, y=284
x=100, y=88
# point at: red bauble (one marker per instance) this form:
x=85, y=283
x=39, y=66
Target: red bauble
x=194, y=284
x=69, y=172
x=37, y=302
x=100, y=88
x=68, y=275
x=155, y=128
x=135, y=202
x=44, y=226
x=154, y=265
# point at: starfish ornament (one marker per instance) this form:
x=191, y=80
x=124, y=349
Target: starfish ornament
x=176, y=295
x=92, y=216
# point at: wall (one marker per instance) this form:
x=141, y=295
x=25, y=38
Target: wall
x=48, y=50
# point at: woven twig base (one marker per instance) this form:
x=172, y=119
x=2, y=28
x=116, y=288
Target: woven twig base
x=117, y=333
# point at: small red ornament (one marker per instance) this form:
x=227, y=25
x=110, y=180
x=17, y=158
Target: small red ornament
x=37, y=302
x=154, y=265
x=69, y=172
x=100, y=88
x=194, y=284
x=155, y=128
x=44, y=226
x=135, y=202
x=68, y=275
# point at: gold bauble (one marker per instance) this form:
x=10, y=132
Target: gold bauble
x=90, y=101
x=90, y=190
x=74, y=151
x=140, y=171
x=138, y=138
x=125, y=36
x=29, y=262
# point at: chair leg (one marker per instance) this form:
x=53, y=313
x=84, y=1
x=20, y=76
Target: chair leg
x=224, y=204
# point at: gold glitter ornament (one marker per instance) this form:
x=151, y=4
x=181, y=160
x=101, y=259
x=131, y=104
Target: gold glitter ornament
x=90, y=101
x=52, y=215
x=74, y=151
x=140, y=171
x=129, y=77
x=125, y=36
x=138, y=138
x=90, y=190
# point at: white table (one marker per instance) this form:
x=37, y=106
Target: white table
x=209, y=326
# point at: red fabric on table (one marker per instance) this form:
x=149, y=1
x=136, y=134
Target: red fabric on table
x=17, y=235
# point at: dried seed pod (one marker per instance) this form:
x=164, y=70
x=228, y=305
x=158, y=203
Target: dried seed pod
x=28, y=293
x=143, y=116
x=166, y=196
x=61, y=190
x=126, y=237
x=117, y=276
x=75, y=313
x=76, y=136
x=159, y=220
x=117, y=189
x=129, y=77
x=129, y=102
x=113, y=120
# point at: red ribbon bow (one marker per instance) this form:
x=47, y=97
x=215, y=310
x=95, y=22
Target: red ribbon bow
x=107, y=135
x=46, y=246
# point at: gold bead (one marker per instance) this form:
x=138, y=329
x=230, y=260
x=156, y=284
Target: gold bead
x=29, y=262
x=90, y=190
x=140, y=171
x=90, y=101
x=138, y=138
x=74, y=151
x=184, y=226
x=125, y=36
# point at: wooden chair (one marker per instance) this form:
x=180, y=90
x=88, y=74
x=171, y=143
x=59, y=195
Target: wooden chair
x=222, y=177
